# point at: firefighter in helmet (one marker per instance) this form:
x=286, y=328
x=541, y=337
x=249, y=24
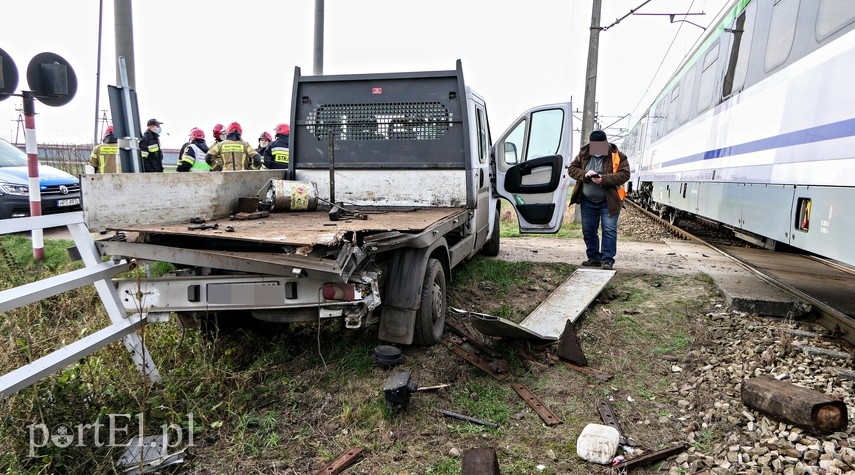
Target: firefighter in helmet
x=105, y=156
x=219, y=134
x=193, y=157
x=277, y=155
x=233, y=153
x=263, y=141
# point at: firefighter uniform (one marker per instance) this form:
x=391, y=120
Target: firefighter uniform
x=193, y=158
x=233, y=155
x=105, y=156
x=152, y=155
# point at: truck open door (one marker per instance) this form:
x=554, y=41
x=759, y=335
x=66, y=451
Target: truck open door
x=530, y=166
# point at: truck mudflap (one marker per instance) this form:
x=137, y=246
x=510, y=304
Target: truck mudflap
x=402, y=299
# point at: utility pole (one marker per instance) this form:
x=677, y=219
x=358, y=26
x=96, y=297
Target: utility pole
x=98, y=70
x=591, y=75
x=318, y=63
x=125, y=40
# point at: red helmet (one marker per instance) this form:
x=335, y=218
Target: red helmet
x=109, y=131
x=282, y=129
x=196, y=133
x=234, y=127
x=218, y=129
x=265, y=136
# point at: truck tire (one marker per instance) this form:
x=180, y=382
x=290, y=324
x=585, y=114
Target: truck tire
x=430, y=318
x=491, y=247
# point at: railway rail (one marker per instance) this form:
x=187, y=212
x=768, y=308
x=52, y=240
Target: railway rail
x=830, y=315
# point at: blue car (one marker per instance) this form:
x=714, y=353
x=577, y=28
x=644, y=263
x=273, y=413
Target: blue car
x=60, y=190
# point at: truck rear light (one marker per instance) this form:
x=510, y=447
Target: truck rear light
x=339, y=291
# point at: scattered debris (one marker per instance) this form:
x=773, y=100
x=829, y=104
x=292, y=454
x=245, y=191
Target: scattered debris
x=474, y=420
x=610, y=419
x=479, y=462
x=341, y=462
x=386, y=356
x=203, y=226
x=434, y=388
x=254, y=215
x=797, y=405
x=569, y=347
x=457, y=347
x=398, y=390
x=549, y=418
x=197, y=220
x=649, y=458
x=582, y=369
x=814, y=351
x=469, y=337
x=149, y=455
x=598, y=443
x=230, y=229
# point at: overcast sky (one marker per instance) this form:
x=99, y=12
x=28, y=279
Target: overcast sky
x=200, y=62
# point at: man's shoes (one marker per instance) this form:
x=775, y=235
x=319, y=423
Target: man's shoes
x=590, y=263
x=606, y=266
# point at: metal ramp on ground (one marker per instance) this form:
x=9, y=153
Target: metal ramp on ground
x=547, y=321
x=94, y=272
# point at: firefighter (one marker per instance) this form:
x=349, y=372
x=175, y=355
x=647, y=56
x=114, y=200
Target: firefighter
x=263, y=141
x=152, y=155
x=105, y=156
x=219, y=134
x=233, y=153
x=193, y=157
x=277, y=154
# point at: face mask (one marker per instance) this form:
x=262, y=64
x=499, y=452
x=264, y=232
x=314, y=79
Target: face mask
x=158, y=130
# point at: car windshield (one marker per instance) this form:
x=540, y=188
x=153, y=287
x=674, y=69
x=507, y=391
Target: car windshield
x=10, y=156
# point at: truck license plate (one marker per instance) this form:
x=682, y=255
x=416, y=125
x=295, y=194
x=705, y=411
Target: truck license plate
x=68, y=202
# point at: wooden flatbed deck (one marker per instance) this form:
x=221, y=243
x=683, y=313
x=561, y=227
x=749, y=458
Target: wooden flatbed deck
x=306, y=228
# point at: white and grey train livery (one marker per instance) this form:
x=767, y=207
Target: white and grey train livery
x=756, y=129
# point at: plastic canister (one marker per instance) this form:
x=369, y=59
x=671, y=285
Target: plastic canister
x=598, y=443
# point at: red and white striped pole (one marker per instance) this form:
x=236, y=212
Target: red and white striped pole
x=33, y=172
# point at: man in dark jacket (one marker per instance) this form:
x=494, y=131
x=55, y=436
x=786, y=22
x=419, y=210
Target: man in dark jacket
x=152, y=155
x=277, y=154
x=600, y=170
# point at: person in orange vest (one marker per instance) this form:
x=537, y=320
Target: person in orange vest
x=600, y=170
x=233, y=153
x=193, y=156
x=105, y=156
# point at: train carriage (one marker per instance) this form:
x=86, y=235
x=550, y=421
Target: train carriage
x=756, y=129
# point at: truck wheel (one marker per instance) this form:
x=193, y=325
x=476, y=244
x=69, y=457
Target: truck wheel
x=430, y=318
x=491, y=247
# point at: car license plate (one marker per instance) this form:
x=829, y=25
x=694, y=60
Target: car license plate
x=68, y=202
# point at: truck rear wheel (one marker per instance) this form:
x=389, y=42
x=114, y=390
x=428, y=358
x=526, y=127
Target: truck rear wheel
x=430, y=318
x=491, y=247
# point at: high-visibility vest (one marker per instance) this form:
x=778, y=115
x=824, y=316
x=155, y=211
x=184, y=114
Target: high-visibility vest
x=105, y=157
x=621, y=191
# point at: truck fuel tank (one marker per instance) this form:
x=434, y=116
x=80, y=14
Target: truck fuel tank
x=288, y=195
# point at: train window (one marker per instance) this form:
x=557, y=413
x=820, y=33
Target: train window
x=688, y=89
x=672, y=107
x=742, y=30
x=803, y=215
x=833, y=15
x=782, y=30
x=705, y=92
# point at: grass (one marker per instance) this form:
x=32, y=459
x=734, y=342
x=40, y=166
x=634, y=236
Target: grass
x=268, y=398
x=509, y=225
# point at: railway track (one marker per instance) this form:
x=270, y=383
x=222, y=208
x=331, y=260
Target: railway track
x=831, y=308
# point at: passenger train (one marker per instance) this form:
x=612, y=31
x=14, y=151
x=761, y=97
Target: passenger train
x=756, y=129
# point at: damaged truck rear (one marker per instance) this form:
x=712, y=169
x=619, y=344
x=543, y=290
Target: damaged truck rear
x=394, y=181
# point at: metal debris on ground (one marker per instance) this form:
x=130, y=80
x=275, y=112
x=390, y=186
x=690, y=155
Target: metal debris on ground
x=203, y=226
x=569, y=347
x=386, y=356
x=649, y=458
x=610, y=419
x=474, y=420
x=341, y=462
x=549, y=418
x=582, y=369
x=456, y=345
x=469, y=337
x=398, y=389
x=479, y=462
x=254, y=215
x=148, y=456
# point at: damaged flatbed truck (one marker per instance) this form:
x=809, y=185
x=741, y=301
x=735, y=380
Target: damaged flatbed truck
x=394, y=182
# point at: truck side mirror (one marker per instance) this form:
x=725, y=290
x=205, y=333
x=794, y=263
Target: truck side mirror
x=511, y=153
